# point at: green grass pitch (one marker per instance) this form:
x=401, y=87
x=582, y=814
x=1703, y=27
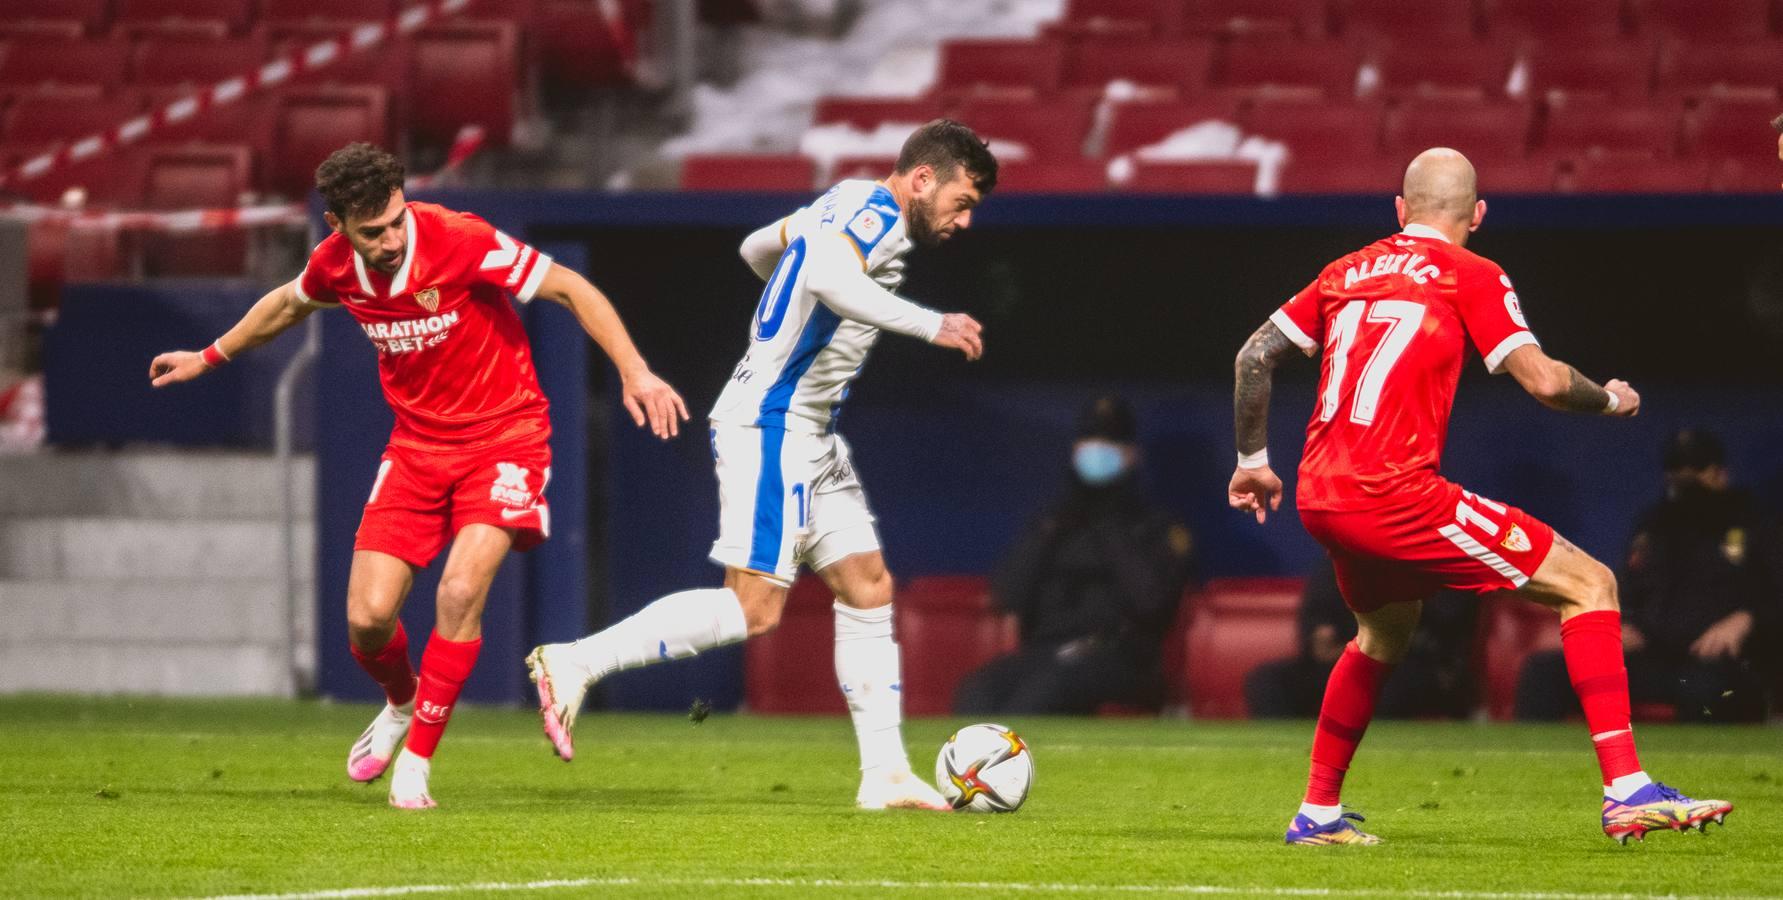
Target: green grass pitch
x=155, y=798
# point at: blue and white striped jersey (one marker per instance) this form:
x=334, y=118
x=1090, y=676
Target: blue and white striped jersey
x=822, y=310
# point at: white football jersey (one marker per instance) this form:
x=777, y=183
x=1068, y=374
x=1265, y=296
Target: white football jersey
x=803, y=354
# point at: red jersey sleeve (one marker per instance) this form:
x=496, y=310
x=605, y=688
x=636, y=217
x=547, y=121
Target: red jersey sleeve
x=1300, y=320
x=312, y=285
x=499, y=260
x=1491, y=313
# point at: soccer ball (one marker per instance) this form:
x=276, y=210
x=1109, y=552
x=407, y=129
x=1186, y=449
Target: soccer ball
x=985, y=768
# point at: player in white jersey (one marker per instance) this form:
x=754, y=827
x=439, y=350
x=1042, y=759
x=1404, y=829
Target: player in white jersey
x=787, y=492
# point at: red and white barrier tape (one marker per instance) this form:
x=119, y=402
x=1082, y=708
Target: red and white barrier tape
x=316, y=56
x=171, y=222
x=465, y=145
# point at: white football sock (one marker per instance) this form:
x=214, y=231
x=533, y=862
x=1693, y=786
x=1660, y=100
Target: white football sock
x=868, y=668
x=674, y=627
x=1323, y=815
x=1624, y=786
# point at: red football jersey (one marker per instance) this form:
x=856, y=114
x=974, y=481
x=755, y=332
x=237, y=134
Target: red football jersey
x=1394, y=319
x=452, y=356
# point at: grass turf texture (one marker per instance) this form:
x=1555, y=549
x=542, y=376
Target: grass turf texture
x=170, y=798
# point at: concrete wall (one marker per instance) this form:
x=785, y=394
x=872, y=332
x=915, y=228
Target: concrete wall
x=151, y=572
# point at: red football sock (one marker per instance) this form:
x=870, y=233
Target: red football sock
x=390, y=667
x=444, y=667
x=1592, y=645
x=1343, y=718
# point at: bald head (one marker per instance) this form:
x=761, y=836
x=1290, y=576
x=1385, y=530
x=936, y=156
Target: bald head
x=1440, y=188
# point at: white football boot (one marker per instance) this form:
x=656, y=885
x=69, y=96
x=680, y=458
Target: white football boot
x=562, y=683
x=370, y=755
x=898, y=790
x=408, y=784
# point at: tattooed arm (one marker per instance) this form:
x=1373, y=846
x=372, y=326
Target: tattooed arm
x=1255, y=487
x=1560, y=386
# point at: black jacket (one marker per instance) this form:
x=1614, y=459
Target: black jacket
x=1101, y=563
x=1697, y=557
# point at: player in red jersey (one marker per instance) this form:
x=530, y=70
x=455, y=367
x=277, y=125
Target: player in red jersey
x=1394, y=320
x=467, y=464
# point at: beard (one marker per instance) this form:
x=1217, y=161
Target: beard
x=920, y=223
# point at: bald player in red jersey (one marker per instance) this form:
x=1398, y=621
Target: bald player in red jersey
x=1391, y=324
x=468, y=460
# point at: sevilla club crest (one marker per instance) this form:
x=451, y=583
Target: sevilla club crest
x=429, y=299
x=1517, y=541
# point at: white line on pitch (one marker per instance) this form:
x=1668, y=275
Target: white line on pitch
x=808, y=884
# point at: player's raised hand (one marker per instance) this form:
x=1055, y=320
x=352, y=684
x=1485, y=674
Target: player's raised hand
x=1628, y=401
x=649, y=399
x=1255, y=491
x=175, y=367
x=961, y=332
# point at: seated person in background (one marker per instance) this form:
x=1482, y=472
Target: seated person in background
x=1701, y=590
x=1094, y=583
x=1434, y=680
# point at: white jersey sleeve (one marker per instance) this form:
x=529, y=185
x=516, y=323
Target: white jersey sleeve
x=828, y=294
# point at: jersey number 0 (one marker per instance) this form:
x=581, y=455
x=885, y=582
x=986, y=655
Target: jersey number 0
x=1402, y=318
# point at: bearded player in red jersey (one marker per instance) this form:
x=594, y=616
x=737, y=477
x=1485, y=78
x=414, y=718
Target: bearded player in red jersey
x=1394, y=320
x=468, y=461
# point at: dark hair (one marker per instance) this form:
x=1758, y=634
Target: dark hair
x=1777, y=123
x=945, y=145
x=358, y=179
x=1693, y=448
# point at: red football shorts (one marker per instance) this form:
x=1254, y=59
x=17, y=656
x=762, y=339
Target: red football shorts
x=1440, y=538
x=422, y=497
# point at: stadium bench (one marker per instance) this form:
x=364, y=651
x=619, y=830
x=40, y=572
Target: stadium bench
x=1182, y=67
x=477, y=66
x=1568, y=22
x=310, y=123
x=1006, y=67
x=791, y=670
x=1433, y=20
x=1053, y=129
x=948, y=629
x=1260, y=65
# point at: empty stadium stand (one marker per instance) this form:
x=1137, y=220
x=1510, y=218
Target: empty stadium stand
x=1547, y=96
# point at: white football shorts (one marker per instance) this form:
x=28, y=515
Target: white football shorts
x=786, y=498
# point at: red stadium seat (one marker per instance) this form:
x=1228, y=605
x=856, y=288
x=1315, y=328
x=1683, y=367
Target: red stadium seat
x=195, y=177
x=1329, y=67
x=1706, y=66
x=865, y=113
x=166, y=61
x=1461, y=70
x=1255, y=18
x=1734, y=176
x=1192, y=178
x=1623, y=70
x=309, y=124
x=1051, y=176
x=1237, y=625
x=282, y=11
x=949, y=629
x=100, y=62
x=1125, y=18
x=1578, y=127
x=40, y=30
x=234, y=14
x=177, y=29
x=93, y=15
x=1427, y=21
x=388, y=66
x=56, y=116
x=578, y=47
x=1512, y=628
x=758, y=172
x=1569, y=21
x=1137, y=125
x=1486, y=132
x=1052, y=129
x=1624, y=174
x=1179, y=66
x=791, y=670
x=1018, y=68
x=1518, y=176
x=1339, y=133
x=477, y=66
x=1718, y=20
x=1733, y=130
